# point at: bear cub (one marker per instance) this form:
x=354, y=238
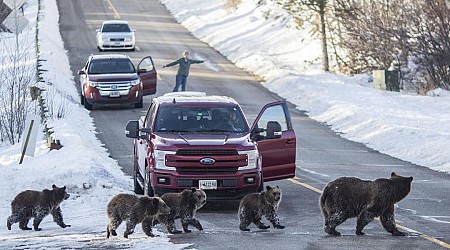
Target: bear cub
x=182, y=205
x=133, y=210
x=349, y=197
x=253, y=206
x=37, y=204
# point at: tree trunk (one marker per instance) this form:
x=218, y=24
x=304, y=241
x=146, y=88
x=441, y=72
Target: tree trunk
x=325, y=63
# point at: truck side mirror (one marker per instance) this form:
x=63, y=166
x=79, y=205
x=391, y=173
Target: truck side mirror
x=132, y=129
x=81, y=72
x=273, y=130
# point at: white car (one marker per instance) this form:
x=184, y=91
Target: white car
x=115, y=35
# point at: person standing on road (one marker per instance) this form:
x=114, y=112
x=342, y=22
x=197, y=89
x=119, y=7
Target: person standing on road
x=183, y=70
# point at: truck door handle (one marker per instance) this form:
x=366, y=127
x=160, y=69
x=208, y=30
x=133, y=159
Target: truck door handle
x=290, y=141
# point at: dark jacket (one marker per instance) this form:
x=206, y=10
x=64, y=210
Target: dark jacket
x=183, y=69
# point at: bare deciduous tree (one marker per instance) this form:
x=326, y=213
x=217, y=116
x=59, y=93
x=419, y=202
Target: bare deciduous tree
x=297, y=9
x=17, y=73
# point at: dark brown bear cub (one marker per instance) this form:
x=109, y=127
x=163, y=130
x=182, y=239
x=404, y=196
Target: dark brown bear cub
x=254, y=206
x=133, y=210
x=37, y=204
x=182, y=205
x=348, y=197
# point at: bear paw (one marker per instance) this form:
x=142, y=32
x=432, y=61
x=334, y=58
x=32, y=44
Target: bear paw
x=175, y=231
x=263, y=227
x=331, y=231
x=244, y=229
x=279, y=226
x=398, y=233
x=359, y=232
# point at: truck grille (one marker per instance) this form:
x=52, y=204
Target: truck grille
x=207, y=170
x=206, y=152
x=114, y=86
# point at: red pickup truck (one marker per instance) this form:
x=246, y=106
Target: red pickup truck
x=189, y=139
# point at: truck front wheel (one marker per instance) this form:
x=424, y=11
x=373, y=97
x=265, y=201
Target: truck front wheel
x=137, y=187
x=148, y=190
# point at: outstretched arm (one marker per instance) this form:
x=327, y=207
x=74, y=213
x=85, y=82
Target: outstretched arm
x=172, y=63
x=197, y=61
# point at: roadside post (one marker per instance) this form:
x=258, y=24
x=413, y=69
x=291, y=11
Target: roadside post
x=29, y=136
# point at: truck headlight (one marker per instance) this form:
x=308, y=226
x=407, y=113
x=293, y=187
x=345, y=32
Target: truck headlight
x=160, y=159
x=252, y=159
x=93, y=84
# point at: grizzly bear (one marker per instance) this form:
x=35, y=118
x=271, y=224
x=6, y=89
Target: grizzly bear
x=253, y=206
x=37, y=204
x=349, y=197
x=182, y=205
x=133, y=210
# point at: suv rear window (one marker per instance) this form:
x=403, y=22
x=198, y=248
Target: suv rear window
x=117, y=27
x=200, y=119
x=111, y=66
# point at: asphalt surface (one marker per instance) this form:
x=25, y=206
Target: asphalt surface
x=322, y=155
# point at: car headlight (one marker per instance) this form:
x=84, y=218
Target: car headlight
x=93, y=84
x=105, y=39
x=160, y=159
x=252, y=159
x=135, y=82
x=128, y=39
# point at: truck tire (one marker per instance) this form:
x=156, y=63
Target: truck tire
x=140, y=104
x=81, y=99
x=148, y=190
x=87, y=105
x=261, y=185
x=137, y=187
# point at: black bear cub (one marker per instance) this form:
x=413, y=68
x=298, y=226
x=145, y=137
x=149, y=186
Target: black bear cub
x=182, y=205
x=37, y=204
x=348, y=197
x=134, y=210
x=254, y=206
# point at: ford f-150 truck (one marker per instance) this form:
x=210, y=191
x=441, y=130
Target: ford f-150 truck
x=190, y=139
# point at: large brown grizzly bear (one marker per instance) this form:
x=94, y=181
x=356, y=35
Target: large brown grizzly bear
x=182, y=205
x=37, y=204
x=254, y=206
x=349, y=197
x=133, y=210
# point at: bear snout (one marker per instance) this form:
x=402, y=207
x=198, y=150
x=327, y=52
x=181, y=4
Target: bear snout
x=66, y=196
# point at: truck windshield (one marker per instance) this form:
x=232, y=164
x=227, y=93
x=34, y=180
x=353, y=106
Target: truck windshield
x=200, y=119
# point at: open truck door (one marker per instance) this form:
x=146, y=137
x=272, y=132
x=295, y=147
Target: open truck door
x=275, y=138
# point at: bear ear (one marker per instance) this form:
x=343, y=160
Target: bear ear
x=193, y=190
x=53, y=186
x=155, y=202
x=410, y=179
x=393, y=174
x=268, y=188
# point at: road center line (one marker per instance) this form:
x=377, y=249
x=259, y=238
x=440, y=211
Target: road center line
x=427, y=237
x=116, y=13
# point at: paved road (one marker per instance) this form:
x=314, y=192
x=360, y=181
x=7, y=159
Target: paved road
x=322, y=155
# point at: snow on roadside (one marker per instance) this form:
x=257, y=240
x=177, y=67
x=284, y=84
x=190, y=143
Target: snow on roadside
x=83, y=165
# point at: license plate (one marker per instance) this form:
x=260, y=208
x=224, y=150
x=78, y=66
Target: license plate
x=114, y=94
x=116, y=43
x=207, y=184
